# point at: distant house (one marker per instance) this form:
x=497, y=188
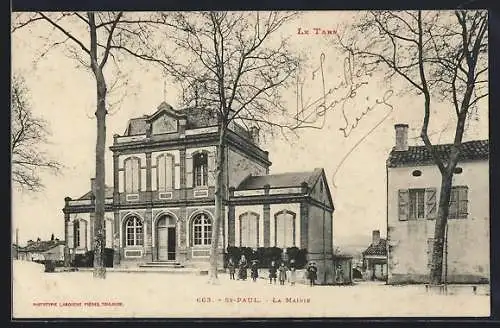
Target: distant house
x=375, y=258
x=413, y=188
x=41, y=250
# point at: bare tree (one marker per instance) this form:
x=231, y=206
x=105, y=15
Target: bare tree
x=441, y=56
x=235, y=66
x=89, y=39
x=28, y=134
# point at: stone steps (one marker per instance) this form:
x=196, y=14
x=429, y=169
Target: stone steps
x=163, y=264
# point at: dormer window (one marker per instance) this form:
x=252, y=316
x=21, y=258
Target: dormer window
x=200, y=168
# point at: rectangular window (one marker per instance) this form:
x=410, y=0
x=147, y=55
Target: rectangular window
x=458, y=203
x=165, y=167
x=417, y=204
x=249, y=230
x=132, y=171
x=200, y=165
x=284, y=230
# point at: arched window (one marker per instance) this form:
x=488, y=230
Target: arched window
x=202, y=230
x=200, y=169
x=165, y=172
x=132, y=172
x=76, y=233
x=249, y=229
x=285, y=229
x=134, y=232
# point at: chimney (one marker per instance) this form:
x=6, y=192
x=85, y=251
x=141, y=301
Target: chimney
x=92, y=185
x=254, y=133
x=375, y=237
x=401, y=137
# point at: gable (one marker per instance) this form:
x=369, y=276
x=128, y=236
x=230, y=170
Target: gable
x=320, y=190
x=164, y=124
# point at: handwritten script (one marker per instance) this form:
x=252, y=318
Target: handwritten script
x=344, y=95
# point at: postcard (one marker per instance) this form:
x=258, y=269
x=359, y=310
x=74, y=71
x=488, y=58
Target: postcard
x=250, y=164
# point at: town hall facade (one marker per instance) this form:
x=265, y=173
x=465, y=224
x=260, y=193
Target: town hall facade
x=161, y=206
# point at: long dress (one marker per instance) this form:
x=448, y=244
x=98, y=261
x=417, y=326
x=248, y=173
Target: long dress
x=242, y=272
x=293, y=275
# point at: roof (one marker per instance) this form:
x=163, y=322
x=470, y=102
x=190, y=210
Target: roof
x=419, y=155
x=377, y=249
x=41, y=246
x=195, y=118
x=136, y=126
x=291, y=179
x=108, y=193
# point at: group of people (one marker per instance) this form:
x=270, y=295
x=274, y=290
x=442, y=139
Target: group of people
x=276, y=272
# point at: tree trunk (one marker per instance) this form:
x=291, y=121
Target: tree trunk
x=99, y=267
x=436, y=274
x=219, y=192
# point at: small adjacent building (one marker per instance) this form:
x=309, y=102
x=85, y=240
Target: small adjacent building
x=413, y=186
x=41, y=250
x=375, y=258
x=161, y=206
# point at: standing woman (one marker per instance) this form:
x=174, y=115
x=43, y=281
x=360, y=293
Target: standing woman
x=242, y=265
x=282, y=273
x=293, y=273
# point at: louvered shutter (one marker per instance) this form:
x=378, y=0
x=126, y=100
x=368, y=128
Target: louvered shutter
x=71, y=231
x=463, y=202
x=403, y=197
x=430, y=202
x=211, y=168
x=189, y=171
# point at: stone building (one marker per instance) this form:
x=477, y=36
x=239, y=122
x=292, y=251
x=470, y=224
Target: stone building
x=413, y=186
x=375, y=258
x=161, y=206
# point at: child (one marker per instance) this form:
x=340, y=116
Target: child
x=232, y=268
x=272, y=272
x=312, y=273
x=282, y=273
x=254, y=270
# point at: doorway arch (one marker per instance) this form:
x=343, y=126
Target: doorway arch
x=166, y=237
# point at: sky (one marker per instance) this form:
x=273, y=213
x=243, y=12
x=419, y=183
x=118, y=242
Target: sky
x=64, y=95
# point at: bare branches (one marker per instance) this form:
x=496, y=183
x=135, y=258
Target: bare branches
x=65, y=32
x=108, y=42
x=28, y=133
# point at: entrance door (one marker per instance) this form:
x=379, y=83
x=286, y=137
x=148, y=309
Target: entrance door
x=165, y=238
x=171, y=243
x=162, y=245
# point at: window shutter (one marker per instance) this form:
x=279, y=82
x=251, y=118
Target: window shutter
x=463, y=202
x=211, y=168
x=453, y=204
x=71, y=231
x=430, y=202
x=403, y=204
x=189, y=171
